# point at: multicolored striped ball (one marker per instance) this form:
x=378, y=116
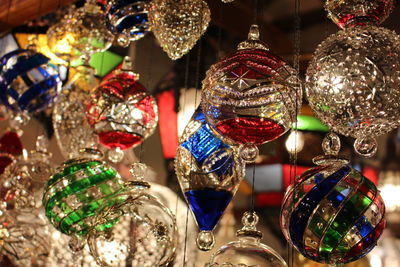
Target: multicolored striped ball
x=333, y=214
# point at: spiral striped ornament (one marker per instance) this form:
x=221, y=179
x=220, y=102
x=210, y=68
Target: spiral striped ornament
x=74, y=194
x=333, y=214
x=28, y=82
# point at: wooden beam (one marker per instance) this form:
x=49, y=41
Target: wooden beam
x=14, y=13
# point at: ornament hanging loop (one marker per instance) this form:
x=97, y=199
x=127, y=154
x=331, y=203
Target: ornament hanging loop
x=331, y=147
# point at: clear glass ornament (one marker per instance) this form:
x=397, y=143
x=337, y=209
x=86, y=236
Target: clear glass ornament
x=128, y=19
x=332, y=214
x=77, y=190
x=71, y=128
x=347, y=12
x=144, y=232
x=81, y=33
x=178, y=25
x=24, y=235
x=251, y=96
x=353, y=83
x=121, y=112
x=247, y=251
x=209, y=173
x=28, y=81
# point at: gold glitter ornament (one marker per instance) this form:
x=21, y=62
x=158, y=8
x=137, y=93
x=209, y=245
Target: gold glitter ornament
x=178, y=25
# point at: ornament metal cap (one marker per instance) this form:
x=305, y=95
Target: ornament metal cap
x=127, y=66
x=253, y=40
x=331, y=147
x=249, y=220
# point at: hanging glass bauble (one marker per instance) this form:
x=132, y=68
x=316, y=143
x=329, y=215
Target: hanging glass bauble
x=81, y=33
x=24, y=237
x=144, y=233
x=178, y=25
x=78, y=189
x=69, y=119
x=247, y=251
x=121, y=112
x=28, y=82
x=353, y=84
x=128, y=19
x=332, y=213
x=209, y=173
x=358, y=11
x=251, y=96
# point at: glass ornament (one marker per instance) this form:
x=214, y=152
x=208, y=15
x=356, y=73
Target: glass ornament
x=121, y=112
x=24, y=236
x=81, y=33
x=209, y=173
x=28, y=81
x=247, y=251
x=128, y=19
x=353, y=84
x=178, y=25
x=71, y=127
x=332, y=213
x=345, y=13
x=144, y=233
x=251, y=96
x=77, y=190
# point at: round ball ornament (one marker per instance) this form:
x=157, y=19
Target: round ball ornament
x=348, y=12
x=121, y=112
x=144, y=232
x=78, y=189
x=28, y=81
x=353, y=84
x=332, y=214
x=128, y=19
x=178, y=25
x=248, y=250
x=250, y=97
x=81, y=33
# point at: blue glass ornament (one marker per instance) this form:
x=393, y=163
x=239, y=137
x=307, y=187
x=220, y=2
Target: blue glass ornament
x=28, y=82
x=209, y=172
x=128, y=19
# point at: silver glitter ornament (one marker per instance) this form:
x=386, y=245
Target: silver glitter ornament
x=353, y=84
x=178, y=25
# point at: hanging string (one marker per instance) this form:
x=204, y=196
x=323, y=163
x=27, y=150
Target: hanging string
x=255, y=14
x=296, y=63
x=149, y=71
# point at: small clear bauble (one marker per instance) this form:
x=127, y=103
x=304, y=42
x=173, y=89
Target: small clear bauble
x=128, y=19
x=353, y=82
x=77, y=190
x=332, y=213
x=251, y=96
x=209, y=173
x=81, y=33
x=143, y=232
x=344, y=12
x=71, y=128
x=178, y=25
x=28, y=82
x=247, y=251
x=121, y=112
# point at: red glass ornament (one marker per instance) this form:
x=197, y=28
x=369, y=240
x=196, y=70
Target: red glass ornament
x=121, y=112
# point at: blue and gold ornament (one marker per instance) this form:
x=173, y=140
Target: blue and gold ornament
x=28, y=81
x=128, y=19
